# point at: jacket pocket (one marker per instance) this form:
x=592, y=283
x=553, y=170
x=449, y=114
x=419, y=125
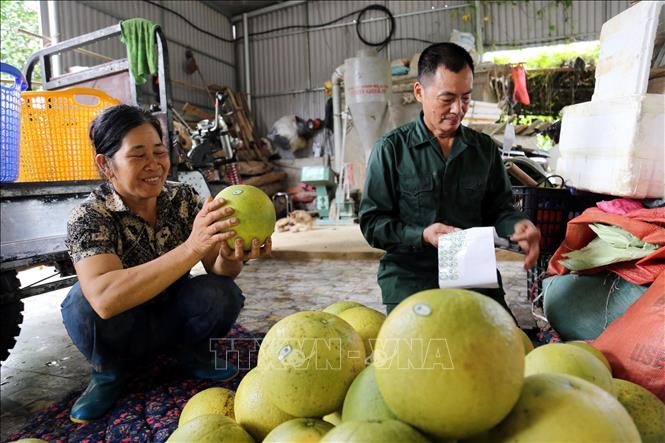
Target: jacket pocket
x=417, y=200
x=472, y=191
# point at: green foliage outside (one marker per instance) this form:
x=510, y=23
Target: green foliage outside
x=549, y=57
x=16, y=47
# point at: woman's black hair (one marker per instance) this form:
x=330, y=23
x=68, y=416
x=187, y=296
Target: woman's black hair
x=111, y=126
x=453, y=57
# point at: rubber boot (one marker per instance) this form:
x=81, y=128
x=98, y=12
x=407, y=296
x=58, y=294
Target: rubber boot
x=205, y=366
x=103, y=390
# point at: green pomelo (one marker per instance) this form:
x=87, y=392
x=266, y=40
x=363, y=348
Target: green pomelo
x=375, y=431
x=253, y=410
x=364, y=400
x=367, y=322
x=341, y=306
x=567, y=359
x=312, y=358
x=254, y=211
x=211, y=428
x=449, y=362
x=299, y=430
x=595, y=352
x=526, y=341
x=555, y=408
x=647, y=411
x=334, y=419
x=209, y=401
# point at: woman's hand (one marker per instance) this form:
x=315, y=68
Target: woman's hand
x=238, y=254
x=229, y=261
x=208, y=224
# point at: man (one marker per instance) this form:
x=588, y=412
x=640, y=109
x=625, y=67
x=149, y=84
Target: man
x=433, y=176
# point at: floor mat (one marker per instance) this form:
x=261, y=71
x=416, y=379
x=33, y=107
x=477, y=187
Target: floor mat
x=149, y=409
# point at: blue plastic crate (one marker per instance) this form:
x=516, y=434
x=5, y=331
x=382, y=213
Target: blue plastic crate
x=10, y=123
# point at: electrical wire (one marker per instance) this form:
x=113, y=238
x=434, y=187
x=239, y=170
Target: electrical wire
x=391, y=31
x=284, y=28
x=412, y=39
x=226, y=40
x=360, y=13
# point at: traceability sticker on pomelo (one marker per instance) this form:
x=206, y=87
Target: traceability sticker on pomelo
x=413, y=354
x=311, y=354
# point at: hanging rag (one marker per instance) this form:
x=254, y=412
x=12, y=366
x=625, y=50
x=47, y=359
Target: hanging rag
x=139, y=36
x=520, y=93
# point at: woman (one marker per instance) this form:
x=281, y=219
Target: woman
x=133, y=243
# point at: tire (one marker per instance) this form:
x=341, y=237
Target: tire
x=11, y=313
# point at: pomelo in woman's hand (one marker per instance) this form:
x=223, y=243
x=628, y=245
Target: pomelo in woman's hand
x=254, y=211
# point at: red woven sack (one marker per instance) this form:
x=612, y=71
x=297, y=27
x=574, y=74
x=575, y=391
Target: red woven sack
x=634, y=344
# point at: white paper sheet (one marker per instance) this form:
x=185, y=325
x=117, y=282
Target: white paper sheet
x=467, y=259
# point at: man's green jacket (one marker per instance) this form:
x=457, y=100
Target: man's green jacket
x=410, y=185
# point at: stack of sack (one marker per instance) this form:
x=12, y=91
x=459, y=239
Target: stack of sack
x=616, y=295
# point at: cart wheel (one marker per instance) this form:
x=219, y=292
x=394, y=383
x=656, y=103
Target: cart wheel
x=11, y=313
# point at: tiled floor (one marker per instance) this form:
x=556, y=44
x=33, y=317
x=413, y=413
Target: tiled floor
x=45, y=366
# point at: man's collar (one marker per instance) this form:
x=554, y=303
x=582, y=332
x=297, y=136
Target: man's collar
x=423, y=135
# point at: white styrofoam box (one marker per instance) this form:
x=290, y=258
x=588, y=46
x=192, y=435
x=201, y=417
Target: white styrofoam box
x=480, y=112
x=615, y=146
x=626, y=48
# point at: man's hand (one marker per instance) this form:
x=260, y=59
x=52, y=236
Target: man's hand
x=432, y=233
x=528, y=237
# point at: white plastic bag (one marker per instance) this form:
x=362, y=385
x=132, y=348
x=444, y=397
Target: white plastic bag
x=467, y=259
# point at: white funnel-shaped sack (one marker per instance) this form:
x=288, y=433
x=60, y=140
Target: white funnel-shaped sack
x=367, y=87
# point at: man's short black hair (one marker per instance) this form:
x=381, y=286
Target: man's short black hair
x=453, y=57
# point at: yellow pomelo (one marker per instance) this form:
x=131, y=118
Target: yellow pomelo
x=647, y=411
x=375, y=431
x=299, y=430
x=30, y=440
x=595, y=352
x=563, y=408
x=367, y=322
x=312, y=358
x=449, y=362
x=567, y=359
x=253, y=410
x=334, y=419
x=364, y=400
x=209, y=401
x=526, y=341
x=340, y=306
x=254, y=211
x=211, y=428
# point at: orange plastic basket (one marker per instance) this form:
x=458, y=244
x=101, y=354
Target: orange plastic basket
x=55, y=145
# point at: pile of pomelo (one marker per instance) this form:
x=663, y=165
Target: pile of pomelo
x=445, y=365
